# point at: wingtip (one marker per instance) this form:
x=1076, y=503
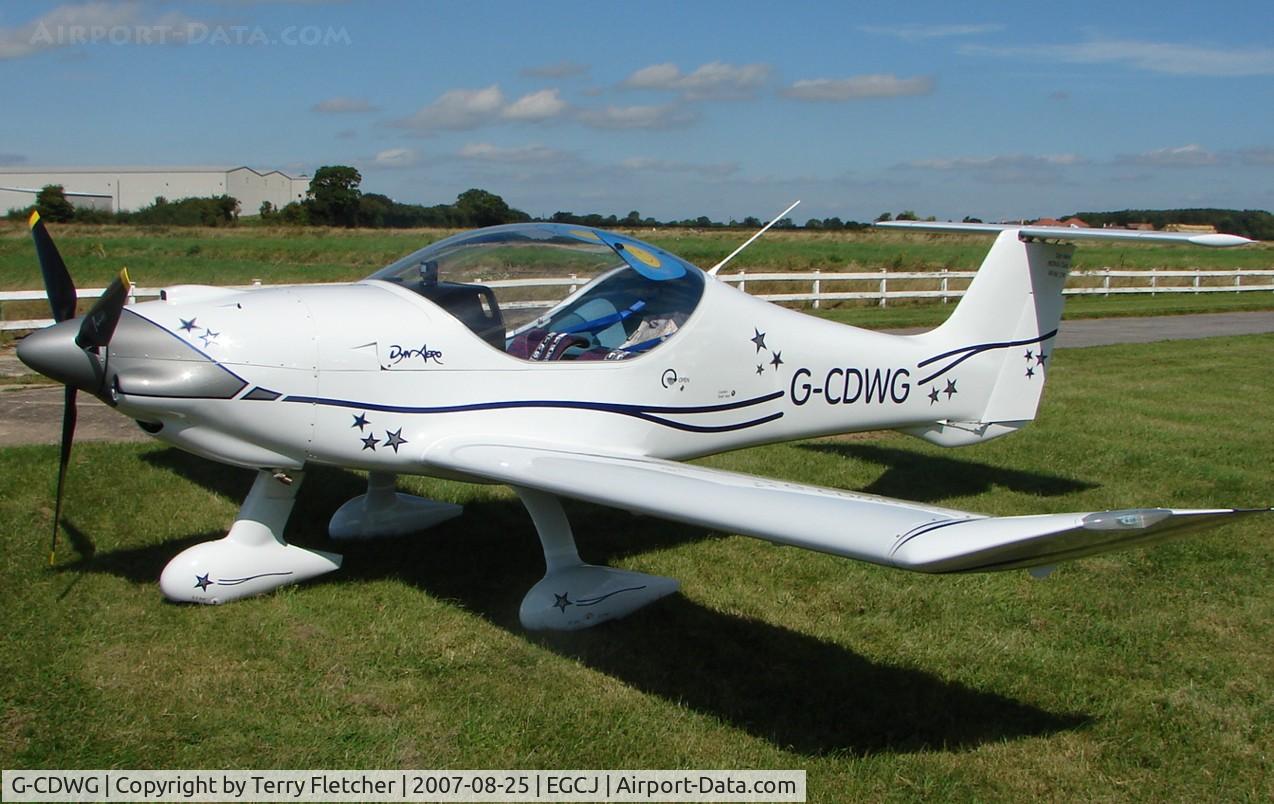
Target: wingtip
x=123, y=277
x=34, y=219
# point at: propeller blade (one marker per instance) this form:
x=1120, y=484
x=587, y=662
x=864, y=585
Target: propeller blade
x=68, y=436
x=99, y=323
x=57, y=280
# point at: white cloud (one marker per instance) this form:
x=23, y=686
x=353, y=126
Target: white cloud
x=93, y=23
x=981, y=163
x=486, y=152
x=395, y=158
x=1003, y=169
x=457, y=109
x=1172, y=58
x=465, y=109
x=656, y=76
x=341, y=105
x=859, y=86
x=714, y=80
x=543, y=105
x=915, y=32
x=1257, y=157
x=1192, y=155
x=628, y=117
x=641, y=164
x=560, y=69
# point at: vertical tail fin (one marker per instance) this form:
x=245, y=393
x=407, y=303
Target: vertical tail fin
x=1004, y=328
x=1001, y=334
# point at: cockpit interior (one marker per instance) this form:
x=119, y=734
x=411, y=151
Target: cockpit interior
x=555, y=292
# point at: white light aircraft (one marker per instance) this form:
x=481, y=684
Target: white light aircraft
x=453, y=362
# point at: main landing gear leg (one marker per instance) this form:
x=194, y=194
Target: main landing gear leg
x=382, y=512
x=252, y=558
x=574, y=595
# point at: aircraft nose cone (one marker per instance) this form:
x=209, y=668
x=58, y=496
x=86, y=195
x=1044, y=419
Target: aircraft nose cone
x=54, y=353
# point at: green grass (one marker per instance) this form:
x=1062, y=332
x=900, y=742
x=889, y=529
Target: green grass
x=923, y=314
x=1141, y=675
x=875, y=249
x=162, y=256
x=158, y=256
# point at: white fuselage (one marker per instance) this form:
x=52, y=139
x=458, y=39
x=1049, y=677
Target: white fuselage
x=370, y=375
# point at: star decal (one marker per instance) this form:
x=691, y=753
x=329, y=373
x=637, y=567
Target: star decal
x=777, y=360
x=563, y=600
x=360, y=421
x=202, y=583
x=933, y=395
x=208, y=337
x=188, y=326
x=370, y=442
x=759, y=340
x=760, y=368
x=1030, y=372
x=1030, y=355
x=950, y=390
x=1040, y=358
x=395, y=439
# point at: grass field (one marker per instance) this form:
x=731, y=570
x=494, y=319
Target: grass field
x=1134, y=676
x=157, y=257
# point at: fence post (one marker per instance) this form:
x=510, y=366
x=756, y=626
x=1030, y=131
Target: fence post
x=743, y=281
x=884, y=280
x=818, y=288
x=1196, y=280
x=1105, y=283
x=1238, y=282
x=574, y=284
x=1154, y=281
x=944, y=285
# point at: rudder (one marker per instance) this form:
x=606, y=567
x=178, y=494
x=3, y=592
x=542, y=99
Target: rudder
x=1005, y=325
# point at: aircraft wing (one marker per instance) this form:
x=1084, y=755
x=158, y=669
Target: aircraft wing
x=881, y=530
x=1068, y=233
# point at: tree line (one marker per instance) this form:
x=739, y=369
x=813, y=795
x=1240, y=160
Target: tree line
x=52, y=204
x=1256, y=224
x=335, y=199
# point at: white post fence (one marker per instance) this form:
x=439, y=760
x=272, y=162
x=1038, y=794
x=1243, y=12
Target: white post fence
x=870, y=286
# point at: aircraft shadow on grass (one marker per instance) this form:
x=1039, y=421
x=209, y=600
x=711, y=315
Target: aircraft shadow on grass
x=796, y=691
x=932, y=479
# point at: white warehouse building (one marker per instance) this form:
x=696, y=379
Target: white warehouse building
x=123, y=189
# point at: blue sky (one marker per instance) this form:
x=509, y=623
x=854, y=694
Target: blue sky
x=673, y=109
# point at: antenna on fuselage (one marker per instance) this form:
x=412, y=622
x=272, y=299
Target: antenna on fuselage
x=713, y=270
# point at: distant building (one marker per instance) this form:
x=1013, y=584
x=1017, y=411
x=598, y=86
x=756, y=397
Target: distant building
x=1070, y=223
x=1141, y=227
x=1192, y=228
x=123, y=189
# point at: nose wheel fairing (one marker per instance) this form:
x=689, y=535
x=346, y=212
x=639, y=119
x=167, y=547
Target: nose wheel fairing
x=253, y=557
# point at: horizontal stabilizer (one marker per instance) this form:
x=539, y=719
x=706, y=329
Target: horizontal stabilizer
x=881, y=530
x=1068, y=233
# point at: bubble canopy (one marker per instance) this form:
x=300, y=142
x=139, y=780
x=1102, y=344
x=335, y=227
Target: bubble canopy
x=544, y=291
